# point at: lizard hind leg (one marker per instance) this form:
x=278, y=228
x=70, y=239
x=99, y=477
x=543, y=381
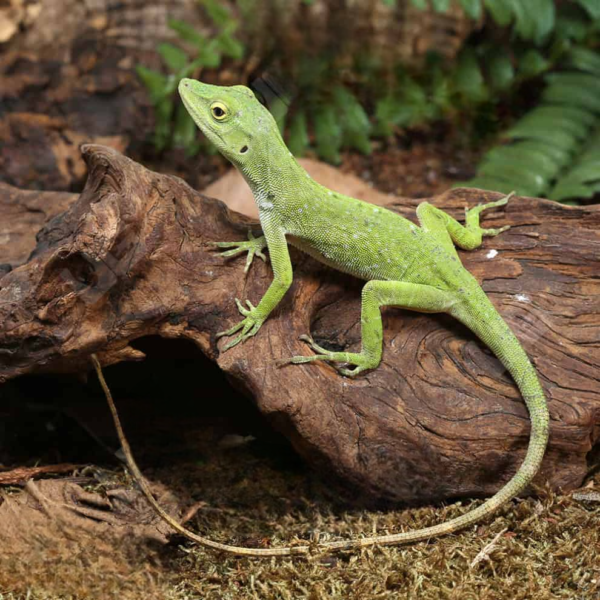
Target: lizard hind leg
x=468, y=236
x=375, y=294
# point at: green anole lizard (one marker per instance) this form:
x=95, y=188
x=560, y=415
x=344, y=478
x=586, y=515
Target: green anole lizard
x=405, y=265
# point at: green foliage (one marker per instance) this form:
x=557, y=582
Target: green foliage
x=468, y=78
x=328, y=133
x=353, y=120
x=554, y=149
x=549, y=151
x=174, y=127
x=472, y=8
x=298, y=140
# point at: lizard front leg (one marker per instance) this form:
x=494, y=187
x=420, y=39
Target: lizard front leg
x=255, y=316
x=253, y=246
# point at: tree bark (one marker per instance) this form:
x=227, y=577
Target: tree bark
x=439, y=418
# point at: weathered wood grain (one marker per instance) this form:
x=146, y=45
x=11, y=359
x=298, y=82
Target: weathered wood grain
x=440, y=418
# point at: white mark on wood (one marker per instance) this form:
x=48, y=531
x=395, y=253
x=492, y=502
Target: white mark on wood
x=492, y=254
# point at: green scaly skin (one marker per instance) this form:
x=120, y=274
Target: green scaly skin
x=411, y=267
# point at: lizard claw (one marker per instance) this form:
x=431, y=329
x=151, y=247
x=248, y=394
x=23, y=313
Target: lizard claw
x=245, y=311
x=359, y=361
x=249, y=325
x=253, y=247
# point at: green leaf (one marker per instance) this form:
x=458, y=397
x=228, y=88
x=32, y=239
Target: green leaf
x=155, y=82
x=501, y=71
x=279, y=109
x=407, y=108
x=518, y=175
x=532, y=63
x=584, y=59
x=525, y=24
x=419, y=4
x=501, y=11
x=534, y=18
x=440, y=6
x=567, y=113
x=559, y=155
x=411, y=92
x=572, y=95
x=516, y=157
x=385, y=109
x=175, y=58
x=298, y=140
x=187, y=33
x=496, y=185
x=468, y=79
x=440, y=94
x=218, y=13
x=231, y=46
x=163, y=112
x=184, y=128
x=328, y=133
x=209, y=55
x=472, y=8
x=586, y=172
x=572, y=27
x=567, y=189
x=543, y=13
x=541, y=133
x=354, y=121
x=581, y=80
x=549, y=118
x=591, y=6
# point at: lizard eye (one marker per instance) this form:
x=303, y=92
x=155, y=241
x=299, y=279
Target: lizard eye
x=219, y=111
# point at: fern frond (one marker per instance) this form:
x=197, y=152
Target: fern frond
x=552, y=151
x=582, y=179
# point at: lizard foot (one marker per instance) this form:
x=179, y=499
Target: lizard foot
x=250, y=325
x=253, y=246
x=479, y=209
x=356, y=359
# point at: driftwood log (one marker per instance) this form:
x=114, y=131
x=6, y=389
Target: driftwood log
x=440, y=418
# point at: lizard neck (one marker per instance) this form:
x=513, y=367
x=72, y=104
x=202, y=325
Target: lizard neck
x=273, y=174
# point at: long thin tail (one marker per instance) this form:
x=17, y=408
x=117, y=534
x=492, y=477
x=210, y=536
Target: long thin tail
x=482, y=318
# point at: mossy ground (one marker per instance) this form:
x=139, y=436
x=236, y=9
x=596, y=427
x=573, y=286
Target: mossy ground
x=548, y=547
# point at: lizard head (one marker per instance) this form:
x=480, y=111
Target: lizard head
x=231, y=118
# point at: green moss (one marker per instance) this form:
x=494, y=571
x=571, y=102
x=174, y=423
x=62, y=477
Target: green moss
x=549, y=548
